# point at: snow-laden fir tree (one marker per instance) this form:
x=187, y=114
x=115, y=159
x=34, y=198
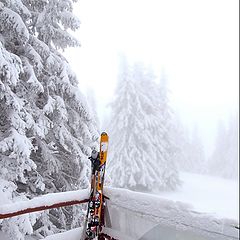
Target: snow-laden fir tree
x=224, y=161
x=182, y=141
x=130, y=156
x=15, y=141
x=135, y=157
x=16, y=122
x=162, y=130
x=166, y=139
x=46, y=131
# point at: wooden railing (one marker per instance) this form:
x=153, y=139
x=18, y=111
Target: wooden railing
x=45, y=202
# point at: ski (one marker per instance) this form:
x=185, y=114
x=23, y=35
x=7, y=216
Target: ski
x=100, y=179
x=95, y=211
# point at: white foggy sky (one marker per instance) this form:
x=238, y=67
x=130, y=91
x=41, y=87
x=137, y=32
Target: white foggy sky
x=194, y=41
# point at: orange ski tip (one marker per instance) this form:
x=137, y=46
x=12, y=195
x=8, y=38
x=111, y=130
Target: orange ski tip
x=103, y=134
x=104, y=137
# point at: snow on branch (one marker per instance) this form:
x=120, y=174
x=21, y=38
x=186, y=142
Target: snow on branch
x=48, y=201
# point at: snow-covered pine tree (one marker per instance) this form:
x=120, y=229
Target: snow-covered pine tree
x=16, y=123
x=182, y=140
x=155, y=103
x=224, y=161
x=166, y=141
x=61, y=157
x=46, y=129
x=134, y=154
x=130, y=156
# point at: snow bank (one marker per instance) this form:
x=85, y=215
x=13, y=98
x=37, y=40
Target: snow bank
x=135, y=213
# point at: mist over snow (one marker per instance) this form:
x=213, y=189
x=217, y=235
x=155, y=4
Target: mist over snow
x=160, y=77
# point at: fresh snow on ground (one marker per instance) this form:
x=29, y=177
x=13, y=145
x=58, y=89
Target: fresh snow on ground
x=213, y=195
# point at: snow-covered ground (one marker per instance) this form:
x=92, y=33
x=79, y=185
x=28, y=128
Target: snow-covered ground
x=213, y=195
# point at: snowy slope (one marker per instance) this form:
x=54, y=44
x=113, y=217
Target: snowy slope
x=216, y=196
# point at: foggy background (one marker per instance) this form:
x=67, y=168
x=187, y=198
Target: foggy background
x=193, y=43
x=160, y=77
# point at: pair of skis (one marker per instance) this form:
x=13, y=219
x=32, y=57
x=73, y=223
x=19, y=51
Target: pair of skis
x=95, y=212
